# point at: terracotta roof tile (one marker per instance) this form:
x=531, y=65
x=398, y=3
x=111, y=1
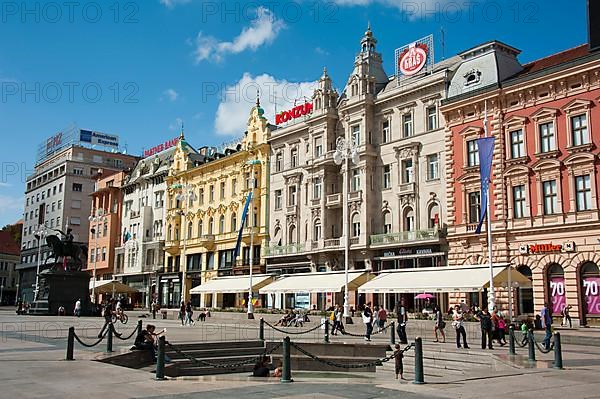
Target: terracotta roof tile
x=555, y=59
x=8, y=245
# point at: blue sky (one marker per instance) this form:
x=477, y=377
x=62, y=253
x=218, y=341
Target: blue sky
x=138, y=68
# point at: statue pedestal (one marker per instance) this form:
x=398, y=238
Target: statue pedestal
x=60, y=288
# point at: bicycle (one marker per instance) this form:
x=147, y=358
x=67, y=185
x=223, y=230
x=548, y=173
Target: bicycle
x=120, y=316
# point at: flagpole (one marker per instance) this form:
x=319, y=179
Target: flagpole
x=491, y=295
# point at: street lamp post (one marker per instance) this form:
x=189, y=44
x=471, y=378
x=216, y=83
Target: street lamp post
x=187, y=194
x=346, y=150
x=1, y=292
x=40, y=234
x=252, y=225
x=99, y=217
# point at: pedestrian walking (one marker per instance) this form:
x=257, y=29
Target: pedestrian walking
x=154, y=307
x=338, y=313
x=495, y=317
x=399, y=365
x=367, y=317
x=566, y=313
x=376, y=318
x=382, y=318
x=182, y=313
x=485, y=320
x=189, y=312
x=502, y=331
x=458, y=323
x=546, y=319
x=440, y=324
x=77, y=310
x=402, y=315
x=108, y=313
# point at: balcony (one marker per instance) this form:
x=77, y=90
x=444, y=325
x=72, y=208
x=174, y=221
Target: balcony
x=291, y=210
x=407, y=188
x=355, y=196
x=278, y=250
x=334, y=200
x=404, y=237
x=354, y=241
x=332, y=243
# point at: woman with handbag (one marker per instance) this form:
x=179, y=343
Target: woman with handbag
x=440, y=324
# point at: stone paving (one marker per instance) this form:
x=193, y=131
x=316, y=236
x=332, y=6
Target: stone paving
x=32, y=350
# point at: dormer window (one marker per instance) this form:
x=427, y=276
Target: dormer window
x=472, y=77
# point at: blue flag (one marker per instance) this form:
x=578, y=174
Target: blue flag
x=244, y=217
x=486, y=154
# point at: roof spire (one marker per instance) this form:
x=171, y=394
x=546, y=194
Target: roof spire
x=181, y=136
x=258, y=97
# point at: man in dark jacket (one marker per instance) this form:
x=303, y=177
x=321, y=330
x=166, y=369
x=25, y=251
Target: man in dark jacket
x=402, y=315
x=485, y=319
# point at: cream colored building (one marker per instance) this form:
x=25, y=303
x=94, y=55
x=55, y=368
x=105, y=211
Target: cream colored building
x=206, y=194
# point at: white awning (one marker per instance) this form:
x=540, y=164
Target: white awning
x=233, y=284
x=110, y=286
x=315, y=282
x=443, y=279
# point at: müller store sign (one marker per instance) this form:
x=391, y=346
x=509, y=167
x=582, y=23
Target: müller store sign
x=294, y=113
x=535, y=249
x=161, y=147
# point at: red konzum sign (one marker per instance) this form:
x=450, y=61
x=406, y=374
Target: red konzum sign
x=294, y=113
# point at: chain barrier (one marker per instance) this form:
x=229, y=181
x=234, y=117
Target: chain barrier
x=523, y=343
x=541, y=348
x=294, y=332
x=199, y=362
x=377, y=362
x=95, y=343
x=120, y=335
x=382, y=329
x=344, y=332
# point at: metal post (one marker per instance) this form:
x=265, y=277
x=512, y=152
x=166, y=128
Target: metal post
x=326, y=336
x=419, y=375
x=70, y=343
x=346, y=234
x=531, y=345
x=511, y=340
x=109, y=340
x=393, y=333
x=558, y=361
x=261, y=329
x=160, y=359
x=286, y=370
x=250, y=294
x=139, y=327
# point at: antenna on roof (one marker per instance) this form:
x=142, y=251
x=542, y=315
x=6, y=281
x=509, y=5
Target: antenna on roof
x=443, y=42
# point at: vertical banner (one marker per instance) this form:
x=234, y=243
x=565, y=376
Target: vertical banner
x=557, y=294
x=244, y=217
x=591, y=295
x=485, y=146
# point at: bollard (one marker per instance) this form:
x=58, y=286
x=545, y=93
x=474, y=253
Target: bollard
x=511, y=340
x=160, y=359
x=109, y=340
x=419, y=375
x=139, y=327
x=261, y=329
x=70, y=343
x=558, y=361
x=531, y=345
x=393, y=333
x=326, y=336
x=286, y=372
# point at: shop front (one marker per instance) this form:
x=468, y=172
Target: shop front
x=169, y=292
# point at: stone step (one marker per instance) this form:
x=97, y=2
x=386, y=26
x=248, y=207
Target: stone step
x=215, y=353
x=219, y=345
x=304, y=363
x=373, y=351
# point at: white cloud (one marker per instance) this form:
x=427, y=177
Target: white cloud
x=239, y=98
x=321, y=51
x=262, y=30
x=173, y=3
x=175, y=126
x=171, y=95
x=410, y=8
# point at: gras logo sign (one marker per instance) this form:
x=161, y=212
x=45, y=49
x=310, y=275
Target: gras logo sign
x=413, y=58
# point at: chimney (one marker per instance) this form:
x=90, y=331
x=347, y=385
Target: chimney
x=593, y=12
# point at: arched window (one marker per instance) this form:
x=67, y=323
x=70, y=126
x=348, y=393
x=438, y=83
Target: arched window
x=189, y=230
x=292, y=236
x=317, y=230
x=176, y=233
x=200, y=228
x=222, y=224
x=409, y=219
x=525, y=295
x=590, y=290
x=169, y=233
x=234, y=222
x=356, y=225
x=277, y=236
x=556, y=288
x=433, y=220
x=387, y=222
x=211, y=225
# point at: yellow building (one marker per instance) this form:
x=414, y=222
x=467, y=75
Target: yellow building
x=206, y=196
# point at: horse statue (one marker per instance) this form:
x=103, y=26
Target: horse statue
x=64, y=249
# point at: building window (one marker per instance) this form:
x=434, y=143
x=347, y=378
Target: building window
x=278, y=202
x=519, y=201
x=579, y=130
x=222, y=190
x=234, y=222
x=432, y=118
x=77, y=187
x=409, y=219
x=356, y=225
x=517, y=144
x=318, y=147
x=75, y=221
x=584, y=192
x=78, y=171
x=222, y=224
x=387, y=176
x=355, y=185
x=386, y=132
x=547, y=137
x=550, y=197
x=294, y=158
x=317, y=230
x=433, y=167
x=279, y=162
x=355, y=134
x=387, y=222
x=200, y=228
x=211, y=225
x=472, y=153
x=474, y=206
x=234, y=187
x=407, y=125
x=407, y=171
x=317, y=188
x=211, y=193
x=292, y=195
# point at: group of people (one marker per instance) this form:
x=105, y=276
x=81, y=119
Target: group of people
x=147, y=339
x=292, y=319
x=186, y=314
x=377, y=317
